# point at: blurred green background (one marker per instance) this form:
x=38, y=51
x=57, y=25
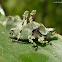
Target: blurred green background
x=48, y=13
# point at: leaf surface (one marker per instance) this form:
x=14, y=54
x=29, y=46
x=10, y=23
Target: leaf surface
x=25, y=52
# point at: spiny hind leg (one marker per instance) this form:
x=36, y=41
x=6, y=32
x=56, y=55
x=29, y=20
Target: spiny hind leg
x=30, y=38
x=36, y=46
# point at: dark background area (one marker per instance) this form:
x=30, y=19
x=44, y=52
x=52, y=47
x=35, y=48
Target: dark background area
x=48, y=13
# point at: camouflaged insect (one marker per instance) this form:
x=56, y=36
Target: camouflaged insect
x=27, y=28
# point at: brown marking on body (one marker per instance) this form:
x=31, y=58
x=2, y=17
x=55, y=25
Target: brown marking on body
x=39, y=27
x=33, y=17
x=28, y=20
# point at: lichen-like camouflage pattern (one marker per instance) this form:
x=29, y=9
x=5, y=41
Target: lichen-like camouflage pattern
x=27, y=28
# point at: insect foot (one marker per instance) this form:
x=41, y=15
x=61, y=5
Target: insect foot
x=36, y=48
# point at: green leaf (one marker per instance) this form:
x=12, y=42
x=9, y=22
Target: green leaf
x=25, y=52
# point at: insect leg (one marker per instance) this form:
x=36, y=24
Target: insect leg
x=36, y=46
x=31, y=40
x=15, y=40
x=41, y=40
x=18, y=37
